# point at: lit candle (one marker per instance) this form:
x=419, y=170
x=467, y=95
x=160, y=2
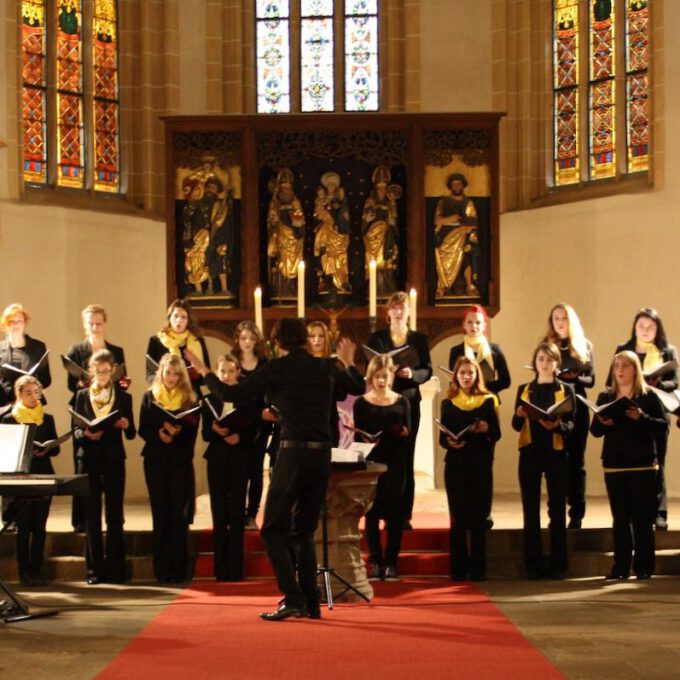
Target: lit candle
x=372, y=290
x=413, y=297
x=258, y=309
x=301, y=290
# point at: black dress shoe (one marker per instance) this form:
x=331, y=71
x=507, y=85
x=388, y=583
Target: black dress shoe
x=661, y=523
x=534, y=574
x=285, y=612
x=407, y=526
x=616, y=575
x=478, y=576
x=93, y=580
x=575, y=523
x=488, y=523
x=643, y=576
x=315, y=613
x=459, y=577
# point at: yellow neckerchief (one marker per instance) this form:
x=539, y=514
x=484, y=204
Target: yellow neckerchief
x=470, y=402
x=171, y=400
x=479, y=350
x=101, y=399
x=24, y=415
x=653, y=357
x=525, y=433
x=173, y=341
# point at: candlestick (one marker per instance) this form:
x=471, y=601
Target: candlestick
x=301, y=290
x=413, y=297
x=257, y=294
x=372, y=289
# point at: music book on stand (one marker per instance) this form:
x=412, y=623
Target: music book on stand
x=16, y=447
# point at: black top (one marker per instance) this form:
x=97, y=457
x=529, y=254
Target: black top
x=669, y=380
x=381, y=341
x=543, y=396
x=386, y=419
x=24, y=358
x=248, y=414
x=299, y=385
x=151, y=420
x=478, y=445
x=44, y=432
x=156, y=349
x=80, y=354
x=630, y=443
x=585, y=370
x=112, y=439
x=495, y=379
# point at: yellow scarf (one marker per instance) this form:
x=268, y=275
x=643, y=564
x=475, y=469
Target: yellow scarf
x=479, y=350
x=470, y=402
x=101, y=399
x=525, y=433
x=653, y=357
x=24, y=415
x=173, y=341
x=171, y=400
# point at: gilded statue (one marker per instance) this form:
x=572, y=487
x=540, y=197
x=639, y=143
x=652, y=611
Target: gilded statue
x=456, y=242
x=332, y=233
x=207, y=229
x=379, y=227
x=285, y=235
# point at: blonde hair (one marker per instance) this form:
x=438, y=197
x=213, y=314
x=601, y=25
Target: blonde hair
x=478, y=386
x=326, y=352
x=639, y=384
x=395, y=300
x=184, y=384
x=578, y=344
x=26, y=380
x=11, y=310
x=377, y=363
x=93, y=309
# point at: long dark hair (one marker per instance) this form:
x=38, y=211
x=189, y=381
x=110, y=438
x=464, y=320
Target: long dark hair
x=192, y=324
x=660, y=340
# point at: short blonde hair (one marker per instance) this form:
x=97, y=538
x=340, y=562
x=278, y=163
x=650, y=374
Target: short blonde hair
x=93, y=309
x=26, y=380
x=639, y=384
x=395, y=300
x=11, y=310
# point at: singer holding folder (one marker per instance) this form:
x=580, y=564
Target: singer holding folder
x=542, y=451
x=168, y=424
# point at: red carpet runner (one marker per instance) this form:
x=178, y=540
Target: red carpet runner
x=431, y=629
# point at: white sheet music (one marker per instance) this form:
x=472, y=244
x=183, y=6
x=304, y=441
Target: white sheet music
x=12, y=444
x=355, y=454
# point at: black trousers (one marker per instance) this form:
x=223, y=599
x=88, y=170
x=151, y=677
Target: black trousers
x=255, y=475
x=170, y=482
x=227, y=479
x=30, y=515
x=633, y=505
x=410, y=485
x=291, y=514
x=661, y=440
x=576, y=445
x=106, y=475
x=77, y=502
x=388, y=505
x=467, y=492
x=533, y=465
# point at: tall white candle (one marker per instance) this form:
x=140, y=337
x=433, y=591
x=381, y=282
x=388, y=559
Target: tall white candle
x=301, y=290
x=372, y=289
x=258, y=309
x=413, y=297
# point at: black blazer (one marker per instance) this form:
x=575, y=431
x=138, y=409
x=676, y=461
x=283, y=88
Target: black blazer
x=501, y=377
x=156, y=349
x=478, y=446
x=44, y=432
x=669, y=380
x=33, y=350
x=247, y=428
x=112, y=439
x=81, y=353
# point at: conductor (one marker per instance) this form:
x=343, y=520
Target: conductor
x=300, y=386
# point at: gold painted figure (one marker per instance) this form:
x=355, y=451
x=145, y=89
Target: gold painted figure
x=456, y=242
x=331, y=241
x=380, y=230
x=285, y=236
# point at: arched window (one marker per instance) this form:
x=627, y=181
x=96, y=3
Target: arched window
x=600, y=89
x=70, y=106
x=317, y=55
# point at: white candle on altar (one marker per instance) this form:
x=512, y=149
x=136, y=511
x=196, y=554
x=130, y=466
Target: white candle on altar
x=413, y=297
x=258, y=309
x=301, y=290
x=372, y=289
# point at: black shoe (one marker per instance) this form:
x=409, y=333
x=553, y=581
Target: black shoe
x=661, y=523
x=26, y=580
x=375, y=573
x=11, y=528
x=314, y=612
x=390, y=573
x=558, y=575
x=93, y=580
x=616, y=575
x=478, y=576
x=575, y=523
x=534, y=574
x=79, y=528
x=39, y=580
x=488, y=523
x=407, y=526
x=643, y=576
x=459, y=577
x=285, y=612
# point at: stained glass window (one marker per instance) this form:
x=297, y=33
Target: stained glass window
x=591, y=40
x=273, y=56
x=637, y=85
x=361, y=55
x=70, y=159
x=105, y=63
x=34, y=100
x=316, y=55
x=565, y=94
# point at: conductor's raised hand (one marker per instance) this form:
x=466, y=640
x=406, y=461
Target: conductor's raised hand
x=196, y=363
x=345, y=350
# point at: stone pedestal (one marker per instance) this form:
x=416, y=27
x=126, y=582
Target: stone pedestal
x=350, y=494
